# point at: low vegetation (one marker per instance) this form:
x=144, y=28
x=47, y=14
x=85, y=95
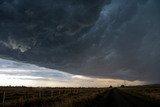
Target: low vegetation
x=48, y=97
x=149, y=93
x=72, y=97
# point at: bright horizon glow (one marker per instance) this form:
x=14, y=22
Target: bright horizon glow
x=22, y=74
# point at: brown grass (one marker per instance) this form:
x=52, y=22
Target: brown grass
x=149, y=92
x=48, y=97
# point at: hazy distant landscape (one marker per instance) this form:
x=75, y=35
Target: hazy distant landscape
x=131, y=96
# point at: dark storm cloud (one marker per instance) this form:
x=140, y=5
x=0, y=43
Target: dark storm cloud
x=104, y=38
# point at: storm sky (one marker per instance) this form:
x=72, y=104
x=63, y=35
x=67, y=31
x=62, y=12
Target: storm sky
x=112, y=39
x=22, y=74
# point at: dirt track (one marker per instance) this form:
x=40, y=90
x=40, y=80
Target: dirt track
x=117, y=98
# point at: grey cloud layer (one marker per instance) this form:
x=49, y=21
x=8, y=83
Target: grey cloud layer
x=24, y=71
x=114, y=39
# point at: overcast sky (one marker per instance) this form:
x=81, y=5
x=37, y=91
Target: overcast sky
x=102, y=39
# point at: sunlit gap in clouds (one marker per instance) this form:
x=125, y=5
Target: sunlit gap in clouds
x=22, y=74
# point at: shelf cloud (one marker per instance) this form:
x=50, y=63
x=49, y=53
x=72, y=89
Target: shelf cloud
x=116, y=39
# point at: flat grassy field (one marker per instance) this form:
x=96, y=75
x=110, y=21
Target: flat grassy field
x=138, y=96
x=147, y=91
x=48, y=97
